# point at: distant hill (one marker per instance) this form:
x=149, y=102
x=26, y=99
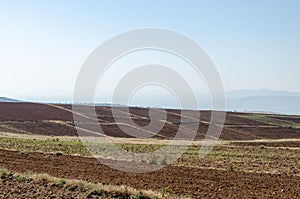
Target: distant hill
x=244, y=93
x=264, y=101
x=5, y=99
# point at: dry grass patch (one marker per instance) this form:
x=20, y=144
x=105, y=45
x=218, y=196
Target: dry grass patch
x=90, y=189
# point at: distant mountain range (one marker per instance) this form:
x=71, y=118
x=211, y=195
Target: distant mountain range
x=264, y=100
x=257, y=93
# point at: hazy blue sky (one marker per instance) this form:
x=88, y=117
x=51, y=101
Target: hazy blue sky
x=254, y=44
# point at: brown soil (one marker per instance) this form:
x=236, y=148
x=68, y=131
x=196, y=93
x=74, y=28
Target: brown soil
x=195, y=182
x=10, y=188
x=17, y=186
x=57, y=120
x=272, y=132
x=31, y=112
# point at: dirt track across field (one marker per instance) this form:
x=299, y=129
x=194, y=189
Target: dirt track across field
x=194, y=182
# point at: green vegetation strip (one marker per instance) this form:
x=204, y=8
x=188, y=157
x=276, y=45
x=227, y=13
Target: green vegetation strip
x=76, y=147
x=269, y=120
x=245, y=158
x=45, y=146
x=69, y=147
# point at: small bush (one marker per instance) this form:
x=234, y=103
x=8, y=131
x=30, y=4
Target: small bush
x=58, y=153
x=166, y=191
x=164, y=162
x=153, y=161
x=298, y=164
x=95, y=193
x=60, y=183
x=3, y=172
x=19, y=178
x=42, y=177
x=139, y=195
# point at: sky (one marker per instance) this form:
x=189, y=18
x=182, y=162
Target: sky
x=43, y=44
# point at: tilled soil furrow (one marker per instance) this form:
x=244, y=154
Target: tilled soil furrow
x=198, y=183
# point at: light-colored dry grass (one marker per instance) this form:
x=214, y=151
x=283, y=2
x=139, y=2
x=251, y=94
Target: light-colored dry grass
x=91, y=186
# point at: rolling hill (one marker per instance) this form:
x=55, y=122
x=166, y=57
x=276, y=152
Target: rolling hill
x=5, y=99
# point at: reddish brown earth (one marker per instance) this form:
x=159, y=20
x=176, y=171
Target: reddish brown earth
x=31, y=112
x=272, y=132
x=57, y=120
x=197, y=183
x=12, y=187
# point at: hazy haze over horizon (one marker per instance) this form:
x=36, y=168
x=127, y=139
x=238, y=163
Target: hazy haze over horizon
x=254, y=45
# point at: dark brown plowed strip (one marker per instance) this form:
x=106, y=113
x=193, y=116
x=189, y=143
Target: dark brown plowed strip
x=46, y=128
x=237, y=134
x=198, y=183
x=273, y=133
x=32, y=116
x=32, y=112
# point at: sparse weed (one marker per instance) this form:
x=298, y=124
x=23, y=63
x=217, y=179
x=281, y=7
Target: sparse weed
x=19, y=178
x=58, y=153
x=3, y=172
x=139, y=195
x=60, y=183
x=231, y=168
x=298, y=164
x=262, y=147
x=166, y=191
x=153, y=161
x=24, y=152
x=94, y=190
x=164, y=162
